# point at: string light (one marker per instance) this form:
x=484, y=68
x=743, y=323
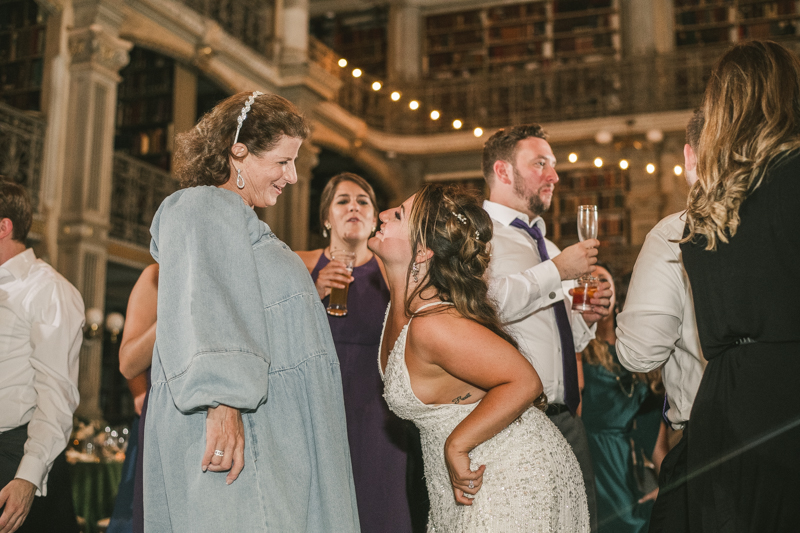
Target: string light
x=572, y=157
x=435, y=115
x=395, y=96
x=342, y=62
x=623, y=164
x=357, y=72
x=413, y=104
x=376, y=86
x=477, y=132
x=678, y=170
x=598, y=162
x=457, y=124
x=650, y=168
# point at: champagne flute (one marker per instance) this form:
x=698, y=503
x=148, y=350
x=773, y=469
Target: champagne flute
x=586, y=285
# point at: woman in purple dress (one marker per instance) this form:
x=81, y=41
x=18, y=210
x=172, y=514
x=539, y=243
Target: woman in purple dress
x=378, y=439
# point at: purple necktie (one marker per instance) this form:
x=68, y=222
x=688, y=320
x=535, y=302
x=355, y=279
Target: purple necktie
x=572, y=396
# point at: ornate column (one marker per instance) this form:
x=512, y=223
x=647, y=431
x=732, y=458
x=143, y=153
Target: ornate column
x=404, y=42
x=294, y=33
x=96, y=54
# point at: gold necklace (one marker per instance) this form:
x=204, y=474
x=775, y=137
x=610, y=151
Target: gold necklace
x=633, y=385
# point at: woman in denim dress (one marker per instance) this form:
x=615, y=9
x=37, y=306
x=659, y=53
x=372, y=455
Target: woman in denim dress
x=246, y=427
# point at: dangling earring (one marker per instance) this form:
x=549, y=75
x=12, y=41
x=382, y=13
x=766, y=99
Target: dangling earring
x=325, y=229
x=415, y=272
x=239, y=178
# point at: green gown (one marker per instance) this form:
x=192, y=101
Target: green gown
x=610, y=406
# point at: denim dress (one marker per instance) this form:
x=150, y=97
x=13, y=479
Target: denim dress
x=241, y=324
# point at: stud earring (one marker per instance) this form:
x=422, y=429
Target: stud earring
x=415, y=272
x=239, y=178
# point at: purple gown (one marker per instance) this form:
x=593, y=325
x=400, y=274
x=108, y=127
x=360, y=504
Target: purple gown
x=377, y=437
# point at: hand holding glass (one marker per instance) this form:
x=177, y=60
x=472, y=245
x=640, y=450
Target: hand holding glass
x=586, y=285
x=337, y=305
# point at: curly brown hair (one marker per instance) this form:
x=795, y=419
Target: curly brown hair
x=202, y=154
x=752, y=120
x=451, y=223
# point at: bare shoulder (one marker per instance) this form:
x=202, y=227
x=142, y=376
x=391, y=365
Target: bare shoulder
x=448, y=330
x=310, y=258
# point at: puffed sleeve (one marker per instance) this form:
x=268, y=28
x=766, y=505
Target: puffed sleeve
x=211, y=334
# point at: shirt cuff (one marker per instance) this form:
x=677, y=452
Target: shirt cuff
x=546, y=273
x=34, y=470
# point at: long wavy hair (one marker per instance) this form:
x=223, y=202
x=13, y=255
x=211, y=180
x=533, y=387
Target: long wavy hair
x=752, y=120
x=202, y=154
x=451, y=223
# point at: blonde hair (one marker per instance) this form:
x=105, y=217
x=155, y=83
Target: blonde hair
x=752, y=119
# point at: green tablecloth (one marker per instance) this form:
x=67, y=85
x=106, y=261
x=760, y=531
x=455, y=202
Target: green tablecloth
x=94, y=490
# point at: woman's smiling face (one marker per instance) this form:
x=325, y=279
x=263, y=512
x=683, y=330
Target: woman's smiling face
x=267, y=174
x=351, y=215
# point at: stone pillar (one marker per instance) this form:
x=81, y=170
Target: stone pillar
x=294, y=31
x=97, y=54
x=648, y=27
x=404, y=42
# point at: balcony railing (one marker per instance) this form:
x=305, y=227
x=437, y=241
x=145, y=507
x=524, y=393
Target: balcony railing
x=21, y=145
x=137, y=191
x=246, y=20
x=656, y=83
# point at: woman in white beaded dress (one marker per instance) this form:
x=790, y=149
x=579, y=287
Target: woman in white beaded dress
x=493, y=460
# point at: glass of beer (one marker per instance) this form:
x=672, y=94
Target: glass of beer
x=337, y=305
x=586, y=286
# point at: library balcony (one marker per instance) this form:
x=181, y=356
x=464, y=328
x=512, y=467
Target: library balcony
x=21, y=144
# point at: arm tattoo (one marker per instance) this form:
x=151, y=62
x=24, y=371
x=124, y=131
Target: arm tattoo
x=461, y=398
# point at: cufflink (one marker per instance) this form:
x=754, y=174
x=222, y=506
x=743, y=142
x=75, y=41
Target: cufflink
x=552, y=295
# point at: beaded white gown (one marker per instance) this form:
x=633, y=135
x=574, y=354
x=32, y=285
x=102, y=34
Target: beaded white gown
x=532, y=482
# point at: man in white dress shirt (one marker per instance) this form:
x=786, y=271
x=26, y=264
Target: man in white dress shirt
x=530, y=278
x=657, y=327
x=41, y=321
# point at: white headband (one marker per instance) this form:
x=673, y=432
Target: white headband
x=243, y=114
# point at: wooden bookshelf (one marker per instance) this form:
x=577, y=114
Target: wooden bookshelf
x=144, y=107
x=604, y=187
x=519, y=36
x=360, y=37
x=708, y=22
x=22, y=39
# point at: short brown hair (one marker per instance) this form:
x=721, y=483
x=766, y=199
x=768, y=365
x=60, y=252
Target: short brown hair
x=326, y=199
x=202, y=154
x=15, y=205
x=502, y=146
x=694, y=128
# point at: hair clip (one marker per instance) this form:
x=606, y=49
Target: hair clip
x=243, y=114
x=460, y=217
x=477, y=234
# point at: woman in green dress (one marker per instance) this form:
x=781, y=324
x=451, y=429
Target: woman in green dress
x=614, y=402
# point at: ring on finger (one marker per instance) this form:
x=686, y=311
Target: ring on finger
x=471, y=484
x=219, y=453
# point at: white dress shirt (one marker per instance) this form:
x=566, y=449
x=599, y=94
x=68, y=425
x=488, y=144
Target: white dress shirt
x=658, y=323
x=525, y=288
x=41, y=321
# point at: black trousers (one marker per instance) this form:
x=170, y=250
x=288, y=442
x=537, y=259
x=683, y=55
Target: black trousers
x=54, y=513
x=670, y=512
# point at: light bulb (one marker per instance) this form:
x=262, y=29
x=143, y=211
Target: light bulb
x=572, y=157
x=435, y=115
x=477, y=132
x=376, y=86
x=357, y=72
x=457, y=124
x=598, y=162
x=342, y=62
x=413, y=104
x=650, y=168
x=395, y=96
x=623, y=164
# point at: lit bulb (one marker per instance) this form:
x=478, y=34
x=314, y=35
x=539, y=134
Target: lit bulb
x=342, y=62
x=623, y=164
x=650, y=168
x=478, y=132
x=413, y=104
x=598, y=162
x=678, y=170
x=395, y=96
x=572, y=157
x=457, y=124
x=435, y=115
x=376, y=86
x=357, y=73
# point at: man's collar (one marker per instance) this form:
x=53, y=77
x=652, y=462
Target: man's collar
x=506, y=215
x=19, y=265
